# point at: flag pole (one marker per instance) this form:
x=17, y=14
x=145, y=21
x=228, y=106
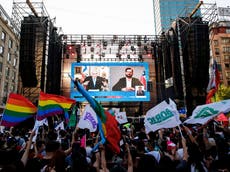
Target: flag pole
x=180, y=131
x=102, y=141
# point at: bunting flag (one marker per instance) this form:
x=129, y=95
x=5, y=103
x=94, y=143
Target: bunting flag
x=214, y=82
x=203, y=113
x=163, y=115
x=51, y=104
x=18, y=109
x=107, y=124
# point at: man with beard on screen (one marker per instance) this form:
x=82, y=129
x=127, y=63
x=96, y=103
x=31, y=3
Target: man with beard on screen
x=128, y=82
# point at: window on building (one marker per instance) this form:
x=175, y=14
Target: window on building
x=225, y=40
x=6, y=87
x=8, y=57
x=7, y=70
x=226, y=49
x=228, y=82
x=15, y=62
x=227, y=30
x=227, y=75
x=215, y=42
x=0, y=67
x=217, y=59
x=10, y=44
x=227, y=65
x=1, y=50
x=3, y=36
x=217, y=51
x=12, y=89
x=227, y=57
x=13, y=76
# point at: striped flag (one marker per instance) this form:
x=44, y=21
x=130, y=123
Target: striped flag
x=214, y=82
x=18, y=109
x=51, y=104
x=107, y=124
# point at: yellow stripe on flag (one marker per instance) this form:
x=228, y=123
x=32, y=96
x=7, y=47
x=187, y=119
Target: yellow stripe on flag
x=20, y=108
x=51, y=102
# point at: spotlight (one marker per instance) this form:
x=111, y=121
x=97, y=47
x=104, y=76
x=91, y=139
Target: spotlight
x=89, y=43
x=140, y=58
x=132, y=48
x=121, y=44
x=138, y=43
x=104, y=43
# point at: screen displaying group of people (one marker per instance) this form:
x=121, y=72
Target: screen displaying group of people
x=94, y=82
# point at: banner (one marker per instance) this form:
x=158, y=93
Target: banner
x=163, y=115
x=121, y=117
x=60, y=126
x=201, y=114
x=88, y=119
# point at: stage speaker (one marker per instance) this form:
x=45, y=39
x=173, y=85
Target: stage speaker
x=78, y=51
x=27, y=66
x=149, y=86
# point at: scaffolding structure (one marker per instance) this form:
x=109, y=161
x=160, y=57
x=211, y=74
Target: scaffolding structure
x=33, y=14
x=109, y=48
x=184, y=36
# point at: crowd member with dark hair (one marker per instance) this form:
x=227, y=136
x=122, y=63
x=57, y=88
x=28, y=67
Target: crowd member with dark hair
x=189, y=149
x=10, y=161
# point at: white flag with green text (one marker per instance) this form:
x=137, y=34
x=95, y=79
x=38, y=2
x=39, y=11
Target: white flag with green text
x=201, y=114
x=163, y=115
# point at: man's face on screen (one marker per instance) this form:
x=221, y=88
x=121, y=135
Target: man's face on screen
x=129, y=73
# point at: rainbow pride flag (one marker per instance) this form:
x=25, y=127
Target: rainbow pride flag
x=18, y=109
x=51, y=104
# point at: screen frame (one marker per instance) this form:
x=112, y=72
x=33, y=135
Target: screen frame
x=118, y=70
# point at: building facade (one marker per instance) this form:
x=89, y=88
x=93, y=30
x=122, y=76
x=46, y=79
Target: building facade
x=166, y=11
x=220, y=48
x=9, y=57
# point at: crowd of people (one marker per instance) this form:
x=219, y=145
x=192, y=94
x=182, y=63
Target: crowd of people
x=191, y=148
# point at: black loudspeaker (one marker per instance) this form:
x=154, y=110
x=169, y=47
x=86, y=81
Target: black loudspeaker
x=27, y=66
x=78, y=51
x=149, y=86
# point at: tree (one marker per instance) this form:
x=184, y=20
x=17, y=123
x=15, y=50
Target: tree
x=222, y=93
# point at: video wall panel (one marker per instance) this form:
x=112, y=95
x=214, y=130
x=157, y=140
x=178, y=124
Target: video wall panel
x=111, y=83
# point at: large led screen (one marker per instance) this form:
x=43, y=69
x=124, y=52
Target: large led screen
x=111, y=83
